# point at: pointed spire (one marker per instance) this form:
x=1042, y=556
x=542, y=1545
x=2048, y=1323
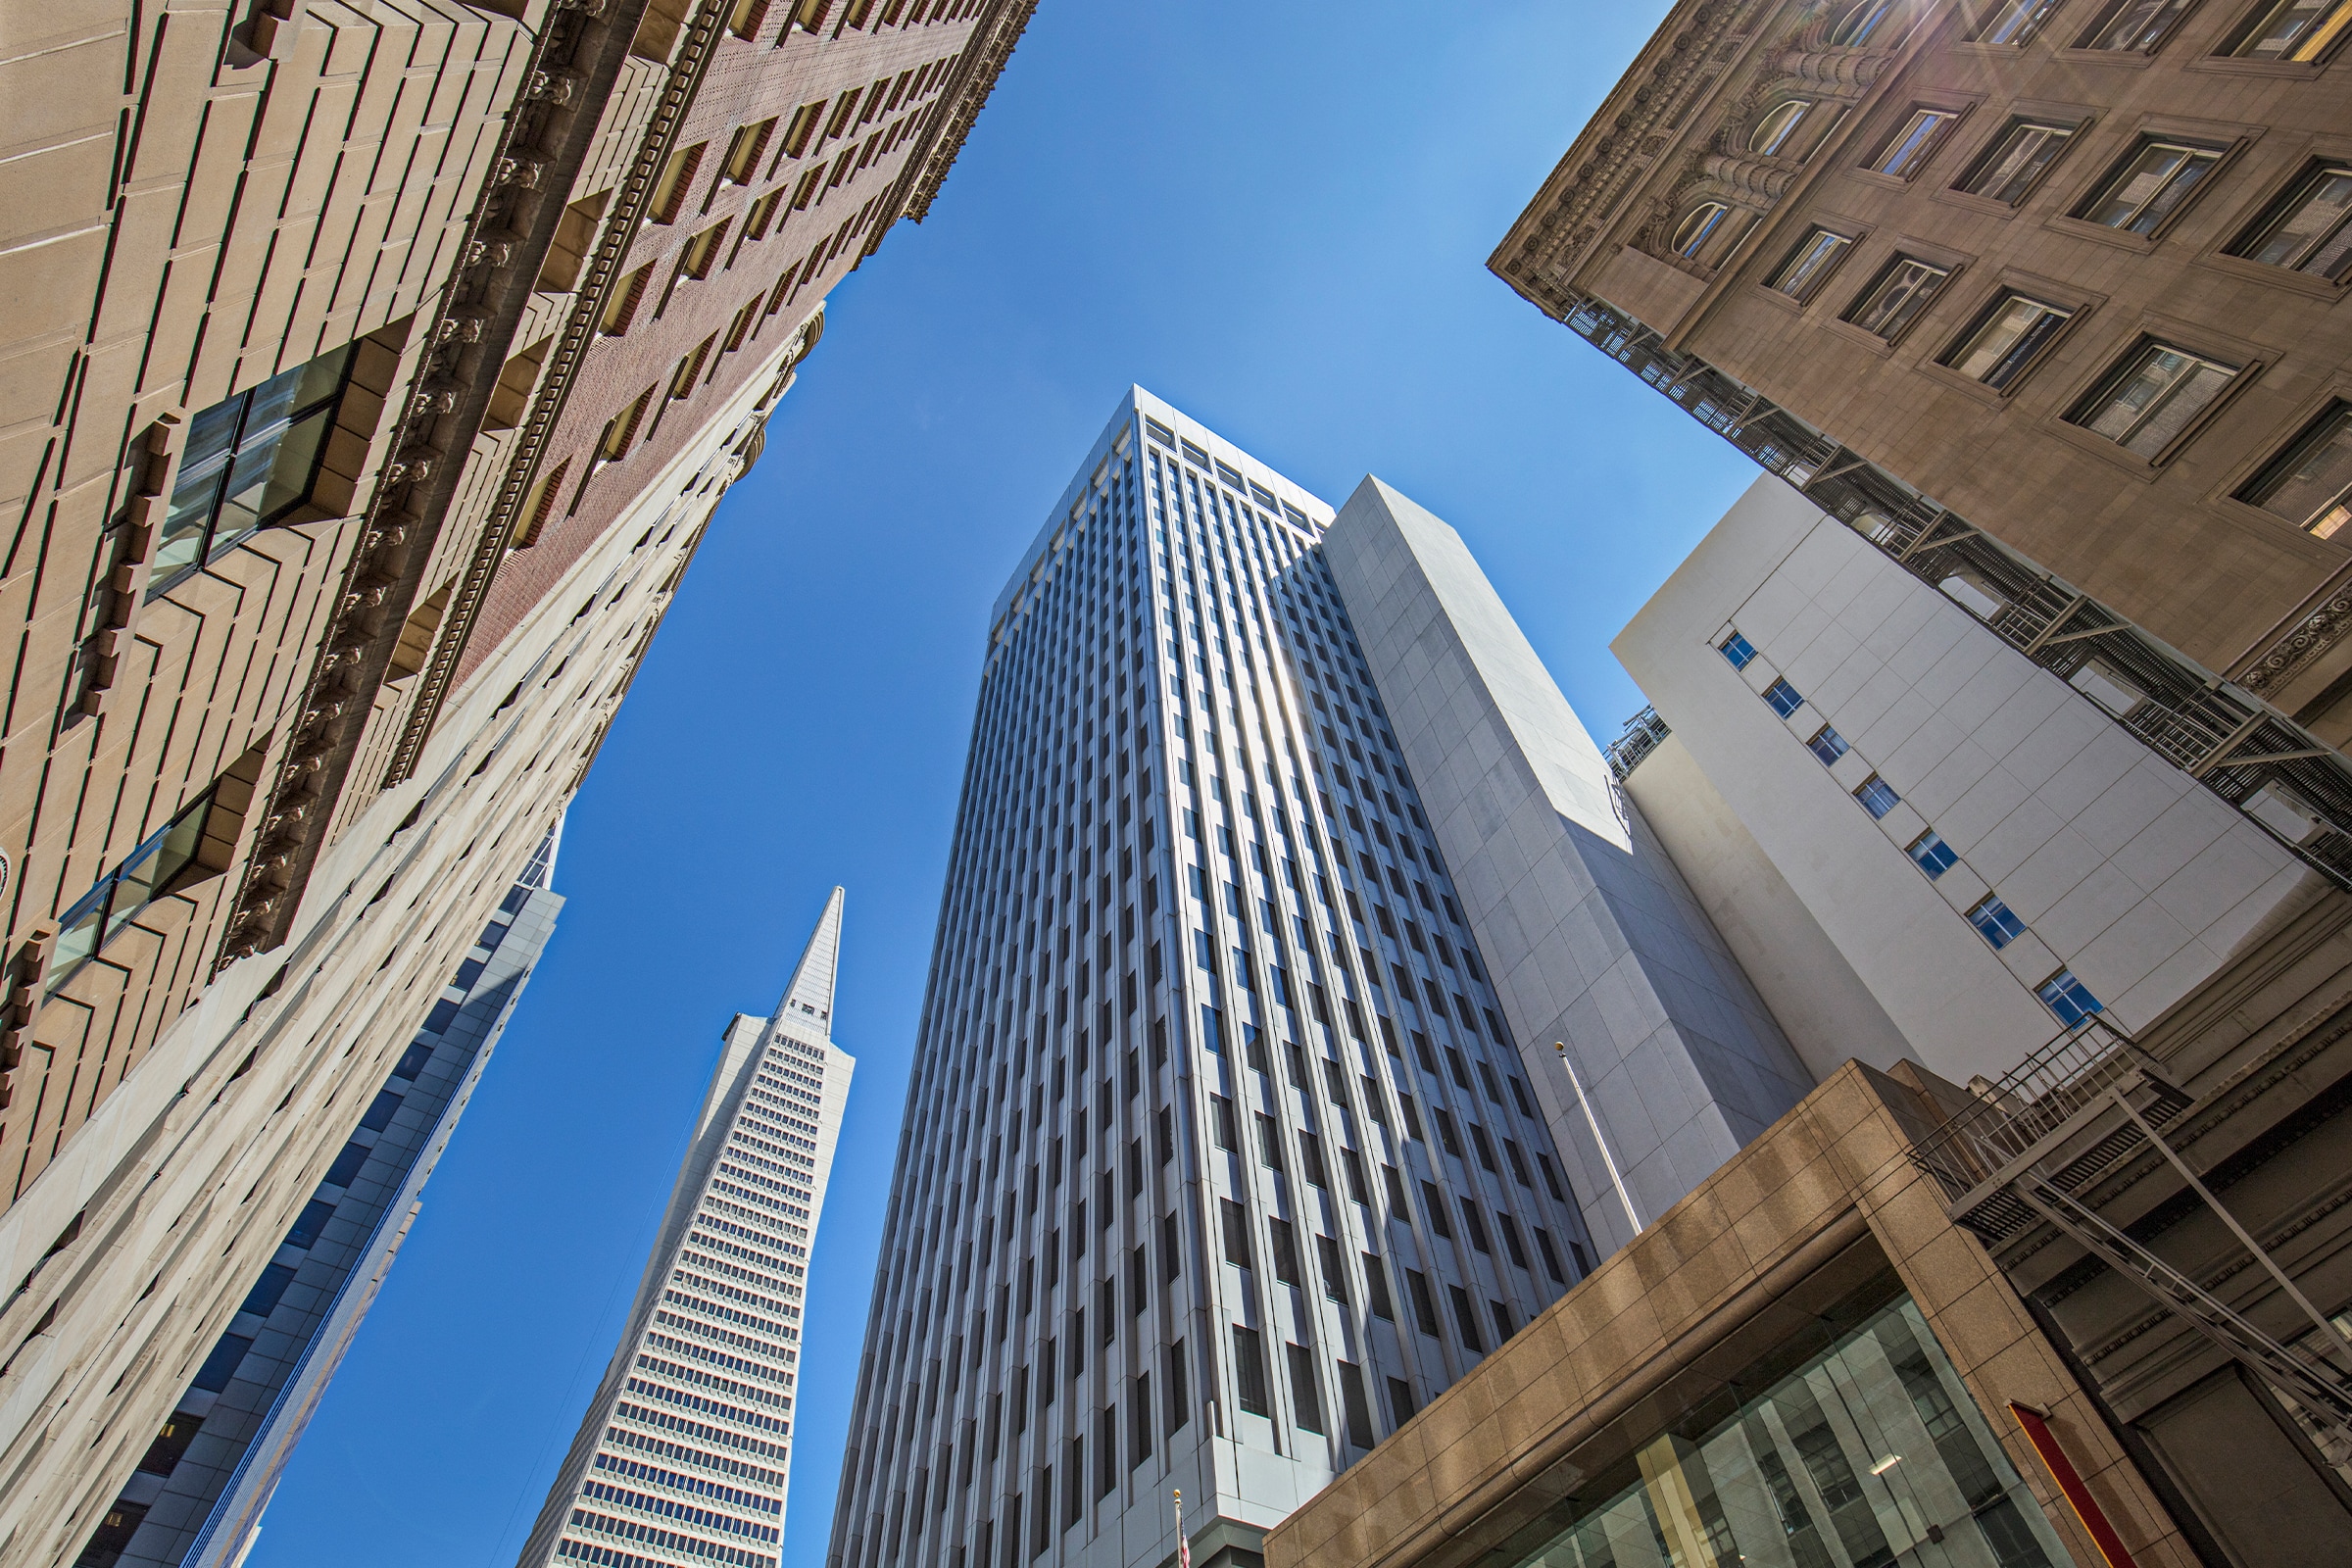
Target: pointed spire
x=808, y=1000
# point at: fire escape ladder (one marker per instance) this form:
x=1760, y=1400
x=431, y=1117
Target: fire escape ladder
x=2075, y=1111
x=2319, y=1387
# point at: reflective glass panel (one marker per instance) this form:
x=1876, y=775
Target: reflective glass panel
x=1809, y=263
x=2299, y=30
x=2015, y=21
x=1895, y=301
x=2155, y=398
x=2310, y=231
x=2017, y=160
x=2311, y=486
x=2151, y=186
x=1914, y=143
x=2134, y=24
x=2006, y=340
x=1870, y=1455
x=248, y=462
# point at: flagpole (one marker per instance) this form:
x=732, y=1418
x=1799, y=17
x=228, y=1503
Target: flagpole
x=1184, y=1547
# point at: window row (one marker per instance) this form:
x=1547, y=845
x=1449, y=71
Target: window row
x=2294, y=32
x=2069, y=999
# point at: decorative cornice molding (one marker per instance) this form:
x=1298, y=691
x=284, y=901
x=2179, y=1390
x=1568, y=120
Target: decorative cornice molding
x=2320, y=630
x=1656, y=104
x=469, y=333
x=992, y=41
x=699, y=41
x=1677, y=67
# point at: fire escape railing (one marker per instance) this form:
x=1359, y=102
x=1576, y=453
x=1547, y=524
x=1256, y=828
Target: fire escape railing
x=2288, y=783
x=2032, y=1144
x=1643, y=732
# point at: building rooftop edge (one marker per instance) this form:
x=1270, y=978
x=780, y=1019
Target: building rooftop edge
x=1137, y=401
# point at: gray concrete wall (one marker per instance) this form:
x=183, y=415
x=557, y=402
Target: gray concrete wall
x=1825, y=1008
x=1594, y=939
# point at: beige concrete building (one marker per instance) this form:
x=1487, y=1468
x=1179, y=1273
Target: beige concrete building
x=1802, y=1362
x=2045, y=293
x=297, y=298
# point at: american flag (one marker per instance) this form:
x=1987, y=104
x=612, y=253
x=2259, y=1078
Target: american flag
x=1184, y=1547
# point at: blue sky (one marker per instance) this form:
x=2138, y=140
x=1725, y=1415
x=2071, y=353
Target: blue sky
x=1274, y=215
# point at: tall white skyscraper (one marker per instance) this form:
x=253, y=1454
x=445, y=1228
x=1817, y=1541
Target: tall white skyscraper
x=684, y=1453
x=1217, y=1163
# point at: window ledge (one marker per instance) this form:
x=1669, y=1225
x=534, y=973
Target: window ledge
x=2308, y=284
x=1993, y=398
x=2122, y=239
x=1985, y=206
x=2120, y=59
x=2229, y=65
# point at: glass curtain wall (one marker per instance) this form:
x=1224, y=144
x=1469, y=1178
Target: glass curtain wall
x=1870, y=1453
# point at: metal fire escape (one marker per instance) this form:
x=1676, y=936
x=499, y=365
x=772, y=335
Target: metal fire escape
x=2079, y=1107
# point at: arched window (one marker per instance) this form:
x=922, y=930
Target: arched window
x=1691, y=237
x=1860, y=22
x=1772, y=131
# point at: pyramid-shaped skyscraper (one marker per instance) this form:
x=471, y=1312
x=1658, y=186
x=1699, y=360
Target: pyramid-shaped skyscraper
x=686, y=1448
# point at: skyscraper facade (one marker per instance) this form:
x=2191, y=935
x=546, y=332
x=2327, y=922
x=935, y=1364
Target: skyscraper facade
x=197, y=1497
x=686, y=1448
x=1196, y=1190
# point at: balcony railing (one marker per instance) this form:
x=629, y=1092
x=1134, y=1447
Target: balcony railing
x=1642, y=734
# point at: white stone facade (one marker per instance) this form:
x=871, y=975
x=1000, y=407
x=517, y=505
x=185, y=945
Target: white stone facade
x=2117, y=868
x=1215, y=1166
x=1671, y=1060
x=684, y=1454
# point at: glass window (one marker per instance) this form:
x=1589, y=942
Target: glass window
x=2069, y=998
x=1902, y=290
x=1861, y=23
x=145, y=874
x=1877, y=796
x=1783, y=698
x=2015, y=21
x=1815, y=255
x=2152, y=399
x=2137, y=25
x=2310, y=231
x=1827, y=744
x=1691, y=237
x=1772, y=131
x=248, y=462
x=1915, y=143
x=2150, y=186
x=2310, y=483
x=1250, y=1371
x=1995, y=922
x=2299, y=30
x=2016, y=161
x=1931, y=855
x=1739, y=650
x=310, y=1223
x=2006, y=338
x=1870, y=1443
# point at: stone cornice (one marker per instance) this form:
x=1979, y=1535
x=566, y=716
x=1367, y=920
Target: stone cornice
x=984, y=56
x=1699, y=42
